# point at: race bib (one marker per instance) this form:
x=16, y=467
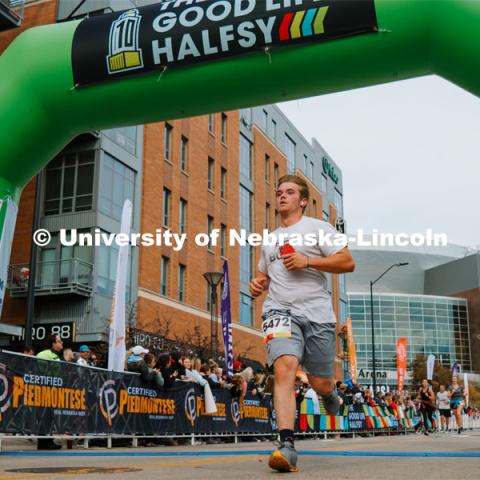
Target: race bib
x=276, y=325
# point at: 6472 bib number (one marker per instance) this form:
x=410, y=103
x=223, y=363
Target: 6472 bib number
x=275, y=326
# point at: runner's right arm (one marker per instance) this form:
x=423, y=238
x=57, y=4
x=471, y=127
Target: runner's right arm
x=259, y=284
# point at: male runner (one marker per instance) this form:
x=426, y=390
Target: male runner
x=298, y=319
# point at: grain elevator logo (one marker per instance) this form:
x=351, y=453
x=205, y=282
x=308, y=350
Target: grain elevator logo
x=124, y=52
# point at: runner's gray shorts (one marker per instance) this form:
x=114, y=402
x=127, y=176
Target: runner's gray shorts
x=314, y=345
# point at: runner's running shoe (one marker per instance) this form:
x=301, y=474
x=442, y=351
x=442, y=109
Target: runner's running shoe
x=332, y=403
x=284, y=459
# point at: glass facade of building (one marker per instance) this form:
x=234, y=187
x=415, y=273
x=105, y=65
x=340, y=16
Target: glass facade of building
x=432, y=325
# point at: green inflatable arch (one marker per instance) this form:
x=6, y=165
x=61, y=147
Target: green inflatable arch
x=49, y=94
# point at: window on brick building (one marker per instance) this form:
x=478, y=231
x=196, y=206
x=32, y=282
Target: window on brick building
x=164, y=275
x=181, y=282
x=168, y=142
x=184, y=154
x=224, y=128
x=211, y=165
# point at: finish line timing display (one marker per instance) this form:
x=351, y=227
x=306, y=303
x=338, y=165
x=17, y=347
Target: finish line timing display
x=184, y=32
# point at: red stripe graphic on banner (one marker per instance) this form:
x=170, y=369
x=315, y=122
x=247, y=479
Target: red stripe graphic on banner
x=332, y=422
x=285, y=27
x=303, y=422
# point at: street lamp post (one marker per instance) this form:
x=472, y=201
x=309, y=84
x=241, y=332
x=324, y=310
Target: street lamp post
x=374, y=372
x=213, y=279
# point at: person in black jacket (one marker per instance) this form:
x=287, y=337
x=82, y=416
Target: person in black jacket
x=136, y=363
x=176, y=365
x=168, y=370
x=205, y=373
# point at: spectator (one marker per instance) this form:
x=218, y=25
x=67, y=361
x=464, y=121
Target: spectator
x=313, y=396
x=192, y=374
x=390, y=403
x=53, y=352
x=213, y=371
x=84, y=356
x=54, y=348
x=300, y=390
x=237, y=386
x=259, y=382
x=68, y=355
x=357, y=398
x=221, y=375
x=367, y=397
x=93, y=359
x=136, y=363
x=150, y=360
x=196, y=364
x=380, y=399
x=401, y=405
x=237, y=366
x=394, y=404
x=167, y=369
x=244, y=377
x=341, y=392
x=206, y=374
x=176, y=365
x=28, y=350
x=212, y=364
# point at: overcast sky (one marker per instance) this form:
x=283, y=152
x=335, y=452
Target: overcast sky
x=409, y=152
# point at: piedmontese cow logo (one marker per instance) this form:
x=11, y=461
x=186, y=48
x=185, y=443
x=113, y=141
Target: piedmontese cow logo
x=235, y=411
x=4, y=398
x=191, y=406
x=124, y=52
x=108, y=401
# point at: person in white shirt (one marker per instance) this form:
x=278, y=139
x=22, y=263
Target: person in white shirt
x=84, y=356
x=299, y=324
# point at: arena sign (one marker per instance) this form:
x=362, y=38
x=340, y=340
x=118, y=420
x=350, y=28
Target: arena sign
x=178, y=32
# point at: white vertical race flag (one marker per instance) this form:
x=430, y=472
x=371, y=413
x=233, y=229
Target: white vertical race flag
x=6, y=243
x=466, y=393
x=430, y=365
x=116, y=339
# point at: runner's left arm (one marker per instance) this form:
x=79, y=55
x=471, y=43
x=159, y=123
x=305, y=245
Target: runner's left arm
x=340, y=262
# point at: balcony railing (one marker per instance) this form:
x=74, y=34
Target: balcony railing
x=11, y=13
x=72, y=276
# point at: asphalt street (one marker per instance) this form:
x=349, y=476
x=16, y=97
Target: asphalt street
x=438, y=456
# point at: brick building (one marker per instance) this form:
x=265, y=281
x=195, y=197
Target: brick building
x=190, y=176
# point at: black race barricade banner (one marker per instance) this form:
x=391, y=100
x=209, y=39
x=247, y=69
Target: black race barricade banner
x=175, y=33
x=42, y=397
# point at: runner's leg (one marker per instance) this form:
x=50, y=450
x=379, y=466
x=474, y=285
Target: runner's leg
x=319, y=358
x=458, y=418
x=323, y=386
x=285, y=369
